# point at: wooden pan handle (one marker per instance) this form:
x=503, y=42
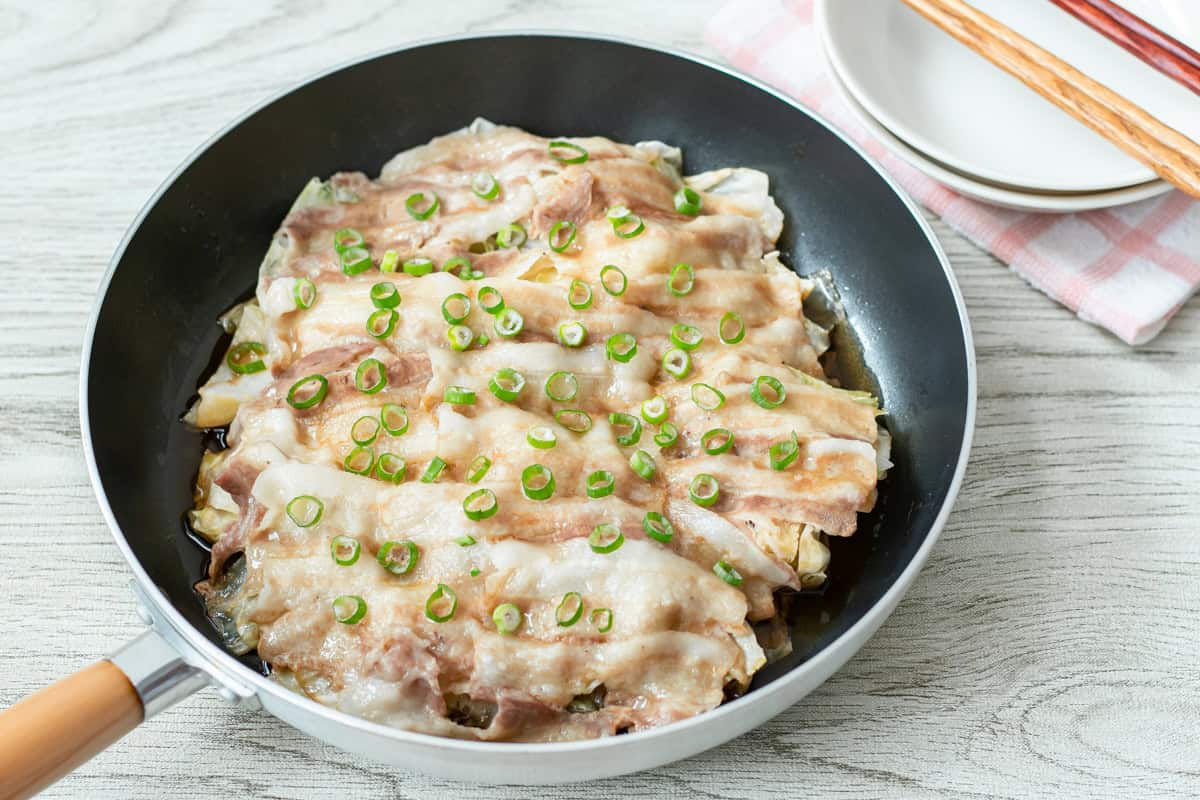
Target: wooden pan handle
x=48, y=734
x=1168, y=152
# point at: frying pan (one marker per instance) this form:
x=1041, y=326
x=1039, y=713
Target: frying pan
x=194, y=251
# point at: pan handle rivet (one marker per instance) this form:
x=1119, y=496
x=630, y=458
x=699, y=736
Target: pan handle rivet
x=144, y=614
x=228, y=695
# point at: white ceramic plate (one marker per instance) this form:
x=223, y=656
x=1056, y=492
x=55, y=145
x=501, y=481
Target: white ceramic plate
x=955, y=107
x=998, y=195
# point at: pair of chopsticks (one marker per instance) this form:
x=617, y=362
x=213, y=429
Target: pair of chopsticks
x=1169, y=153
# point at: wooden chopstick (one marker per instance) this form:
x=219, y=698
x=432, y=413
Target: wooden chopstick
x=1168, y=152
x=1166, y=54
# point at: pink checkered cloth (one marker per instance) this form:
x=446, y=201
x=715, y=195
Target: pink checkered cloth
x=1128, y=269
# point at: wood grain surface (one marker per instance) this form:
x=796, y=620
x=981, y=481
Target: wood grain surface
x=1050, y=649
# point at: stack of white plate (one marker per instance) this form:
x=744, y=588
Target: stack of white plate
x=954, y=116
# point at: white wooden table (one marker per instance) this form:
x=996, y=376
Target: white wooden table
x=1050, y=648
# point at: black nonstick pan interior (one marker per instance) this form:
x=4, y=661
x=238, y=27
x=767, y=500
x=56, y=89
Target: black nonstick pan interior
x=197, y=251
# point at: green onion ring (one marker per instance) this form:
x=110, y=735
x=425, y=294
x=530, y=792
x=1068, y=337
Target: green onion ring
x=394, y=418
x=704, y=490
x=784, y=453
x=689, y=273
x=391, y=468
x=605, y=614
x=537, y=482
x=709, y=398
x=490, y=299
x=654, y=410
x=418, y=266
x=417, y=199
x=441, y=592
x=620, y=226
x=581, y=155
x=316, y=386
x=507, y=384
x=460, y=337
x=579, y=294
x=363, y=373
x=456, y=308
x=600, y=483
x=777, y=390
x=346, y=238
x=615, y=291
x=723, y=438
x=576, y=420
x=480, y=504
x=304, y=293
x=237, y=357
x=571, y=600
x=389, y=262
x=509, y=323
x=561, y=386
x=382, y=322
x=385, y=295
x=474, y=572
x=478, y=468
x=355, y=260
x=541, y=437
x=686, y=337
x=658, y=527
x=738, y=334
x=572, y=334
x=605, y=538
x=619, y=419
x=344, y=550
x=305, y=510
x=365, y=430
x=511, y=235
x=460, y=263
x=621, y=347
x=485, y=186
x=725, y=571
x=402, y=565
x=359, y=460
x=687, y=201
x=667, y=435
x=507, y=618
x=465, y=541
x=458, y=396
x=433, y=470
x=643, y=464
x=677, y=363
x=557, y=243
x=349, y=609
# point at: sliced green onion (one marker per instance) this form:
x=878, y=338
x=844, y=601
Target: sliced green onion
x=456, y=308
x=687, y=337
x=709, y=398
x=460, y=337
x=577, y=154
x=480, y=504
x=725, y=571
x=485, y=186
x=625, y=223
x=241, y=358
x=605, y=538
x=509, y=323
x=365, y=430
x=716, y=441
x=467, y=540
x=602, y=618
x=418, y=266
x=558, y=240
x=619, y=419
x=391, y=468
x=394, y=418
x=621, y=347
x=569, y=610
x=579, y=294
x=483, y=340
x=507, y=384
x=308, y=391
x=576, y=420
x=737, y=334
x=389, y=262
x=677, y=363
x=362, y=376
x=658, y=527
x=704, y=490
x=613, y=279
x=398, y=558
x=773, y=397
x=305, y=510
x=600, y=483
x=572, y=334
x=458, y=396
x=304, y=293
x=433, y=470
x=474, y=572
x=382, y=322
x=643, y=464
x=511, y=235
x=349, y=609
x=414, y=202
x=441, y=595
x=679, y=287
x=654, y=410
x=359, y=460
x=355, y=260
x=537, y=482
x=561, y=386
x=385, y=295
x=507, y=618
x=490, y=299
x=687, y=201
x=344, y=550
x=541, y=437
x=462, y=264
x=667, y=434
x=346, y=238
x=784, y=453
x=478, y=468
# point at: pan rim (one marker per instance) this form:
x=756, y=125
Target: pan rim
x=830, y=658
